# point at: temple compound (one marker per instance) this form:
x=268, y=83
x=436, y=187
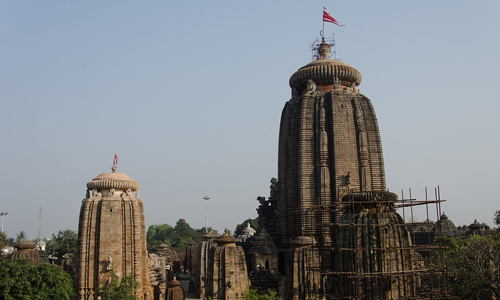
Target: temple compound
x=339, y=236
x=111, y=236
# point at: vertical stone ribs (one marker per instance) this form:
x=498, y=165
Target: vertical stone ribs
x=376, y=156
x=307, y=168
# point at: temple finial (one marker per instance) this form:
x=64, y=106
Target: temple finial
x=324, y=49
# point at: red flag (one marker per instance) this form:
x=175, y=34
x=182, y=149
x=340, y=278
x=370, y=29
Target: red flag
x=115, y=161
x=330, y=19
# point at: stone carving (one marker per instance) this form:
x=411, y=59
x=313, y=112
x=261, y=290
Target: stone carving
x=336, y=84
x=311, y=86
x=348, y=178
x=354, y=88
x=109, y=264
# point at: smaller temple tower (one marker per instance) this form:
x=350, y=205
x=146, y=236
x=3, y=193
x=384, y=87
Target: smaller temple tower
x=227, y=276
x=203, y=264
x=26, y=250
x=111, y=236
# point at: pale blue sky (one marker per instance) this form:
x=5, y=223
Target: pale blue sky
x=189, y=95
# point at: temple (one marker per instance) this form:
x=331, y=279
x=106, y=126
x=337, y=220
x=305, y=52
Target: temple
x=339, y=234
x=111, y=236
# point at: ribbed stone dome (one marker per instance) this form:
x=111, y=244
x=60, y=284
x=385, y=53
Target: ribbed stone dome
x=24, y=245
x=226, y=238
x=371, y=196
x=113, y=181
x=323, y=72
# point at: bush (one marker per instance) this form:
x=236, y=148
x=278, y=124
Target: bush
x=252, y=294
x=19, y=279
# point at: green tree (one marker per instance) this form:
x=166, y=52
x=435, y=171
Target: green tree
x=204, y=230
x=160, y=234
x=451, y=243
x=113, y=289
x=4, y=241
x=184, y=234
x=496, y=218
x=21, y=236
x=252, y=294
x=64, y=242
x=474, y=267
x=19, y=279
x=254, y=223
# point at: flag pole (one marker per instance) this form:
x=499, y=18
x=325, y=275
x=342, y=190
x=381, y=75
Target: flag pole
x=323, y=26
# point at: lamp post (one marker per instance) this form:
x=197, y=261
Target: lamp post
x=206, y=210
x=2, y=214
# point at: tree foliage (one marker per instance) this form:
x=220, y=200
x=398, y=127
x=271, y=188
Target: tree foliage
x=21, y=236
x=184, y=234
x=116, y=289
x=64, y=242
x=254, y=223
x=178, y=236
x=160, y=234
x=474, y=267
x=252, y=294
x=496, y=218
x=4, y=241
x=203, y=230
x=19, y=279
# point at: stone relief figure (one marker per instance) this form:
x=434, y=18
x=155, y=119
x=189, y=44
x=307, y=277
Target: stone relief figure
x=348, y=178
x=336, y=83
x=109, y=264
x=311, y=86
x=274, y=183
x=87, y=194
x=354, y=88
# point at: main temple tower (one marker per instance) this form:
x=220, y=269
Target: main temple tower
x=111, y=236
x=329, y=145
